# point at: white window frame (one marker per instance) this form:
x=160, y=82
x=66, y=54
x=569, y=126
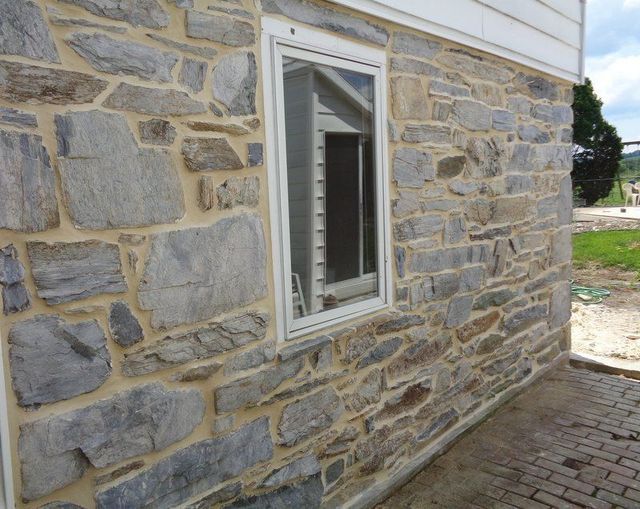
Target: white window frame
x=280, y=37
x=7, y=497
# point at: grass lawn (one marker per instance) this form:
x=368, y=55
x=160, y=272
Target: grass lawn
x=609, y=249
x=614, y=198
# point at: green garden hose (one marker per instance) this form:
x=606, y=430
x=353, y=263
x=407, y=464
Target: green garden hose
x=589, y=295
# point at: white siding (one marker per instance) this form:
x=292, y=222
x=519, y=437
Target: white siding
x=543, y=34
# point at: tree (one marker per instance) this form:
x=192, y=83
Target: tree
x=597, y=148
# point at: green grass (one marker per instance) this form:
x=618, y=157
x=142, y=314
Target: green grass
x=609, y=249
x=614, y=198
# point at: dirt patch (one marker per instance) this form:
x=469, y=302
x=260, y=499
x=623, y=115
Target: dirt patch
x=586, y=223
x=612, y=328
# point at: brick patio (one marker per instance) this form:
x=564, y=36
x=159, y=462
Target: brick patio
x=572, y=440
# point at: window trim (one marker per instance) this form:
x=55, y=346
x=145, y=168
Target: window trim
x=296, y=40
x=7, y=496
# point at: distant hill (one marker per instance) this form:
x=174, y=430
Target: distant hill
x=629, y=155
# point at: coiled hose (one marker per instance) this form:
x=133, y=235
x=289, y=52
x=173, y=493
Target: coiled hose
x=589, y=295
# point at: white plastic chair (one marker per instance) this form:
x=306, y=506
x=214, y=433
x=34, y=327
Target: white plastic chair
x=629, y=195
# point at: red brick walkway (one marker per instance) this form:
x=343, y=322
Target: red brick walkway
x=572, y=440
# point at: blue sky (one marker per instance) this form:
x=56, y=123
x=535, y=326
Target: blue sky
x=613, y=61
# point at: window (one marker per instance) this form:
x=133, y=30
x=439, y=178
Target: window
x=327, y=174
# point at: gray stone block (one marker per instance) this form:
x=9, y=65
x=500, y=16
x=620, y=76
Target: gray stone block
x=216, y=497
x=123, y=325
x=486, y=157
x=520, y=105
x=417, y=46
x=123, y=57
x=11, y=116
x=238, y=191
x=536, y=87
x=41, y=85
x=503, y=120
x=412, y=168
x=422, y=133
x=114, y=183
x=411, y=66
x=180, y=285
x=250, y=359
x=518, y=184
x=408, y=98
x=524, y=318
x=192, y=74
x=250, y=390
x=472, y=115
x=303, y=467
x=458, y=311
x=543, y=112
x=69, y=271
x=562, y=114
x=153, y=101
x=417, y=228
x=201, y=343
x=192, y=470
x=367, y=393
x=400, y=257
x=475, y=67
x=437, y=88
x=532, y=134
x=146, y=13
x=53, y=360
x=455, y=229
x=208, y=154
x=199, y=51
x=560, y=305
x=451, y=258
x=27, y=184
x=157, y=131
x=309, y=416
x=450, y=167
x=304, y=348
x=15, y=296
x=24, y=32
x=254, y=154
x=234, y=80
x=329, y=19
x=220, y=29
x=380, y=352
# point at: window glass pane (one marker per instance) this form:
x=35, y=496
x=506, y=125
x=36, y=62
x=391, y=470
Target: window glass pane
x=331, y=183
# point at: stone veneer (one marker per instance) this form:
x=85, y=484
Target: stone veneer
x=131, y=184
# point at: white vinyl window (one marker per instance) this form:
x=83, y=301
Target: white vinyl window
x=325, y=108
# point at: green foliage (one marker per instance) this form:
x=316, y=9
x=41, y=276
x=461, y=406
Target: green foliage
x=597, y=146
x=609, y=249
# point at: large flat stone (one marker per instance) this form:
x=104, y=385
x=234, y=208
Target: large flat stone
x=197, y=273
x=153, y=101
x=112, y=183
x=208, y=154
x=200, y=51
x=417, y=227
x=41, y=85
x=329, y=19
x=24, y=32
x=123, y=57
x=146, y=13
x=486, y=157
x=423, y=352
x=472, y=115
x=124, y=327
x=412, y=168
x=19, y=118
x=408, y=98
x=233, y=82
x=55, y=451
x=309, y=416
x=411, y=44
x=27, y=184
x=475, y=67
x=52, y=360
x=250, y=390
x=192, y=470
x=68, y=271
x=220, y=29
x=202, y=343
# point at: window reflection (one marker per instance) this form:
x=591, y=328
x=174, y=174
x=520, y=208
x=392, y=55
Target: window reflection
x=331, y=184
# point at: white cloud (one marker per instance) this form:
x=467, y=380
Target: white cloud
x=616, y=80
x=631, y=4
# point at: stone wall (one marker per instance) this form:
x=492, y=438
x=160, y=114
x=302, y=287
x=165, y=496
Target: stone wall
x=132, y=182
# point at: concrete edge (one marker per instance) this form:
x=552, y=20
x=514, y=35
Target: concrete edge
x=579, y=361
x=381, y=491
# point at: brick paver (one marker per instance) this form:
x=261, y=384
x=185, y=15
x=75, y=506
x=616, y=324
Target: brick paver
x=572, y=440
